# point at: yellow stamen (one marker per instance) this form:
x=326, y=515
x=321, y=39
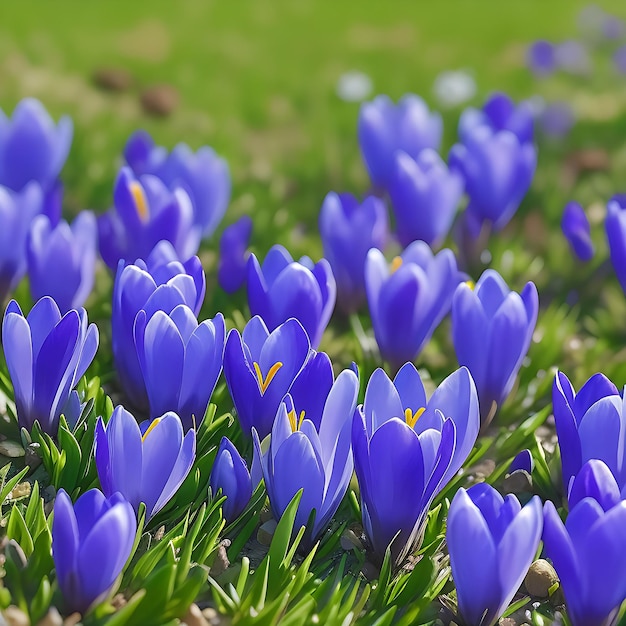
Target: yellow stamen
x=411, y=418
x=294, y=422
x=141, y=204
x=151, y=428
x=264, y=383
x=471, y=284
x=396, y=263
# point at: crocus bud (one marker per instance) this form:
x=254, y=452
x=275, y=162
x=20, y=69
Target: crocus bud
x=161, y=283
x=492, y=328
x=317, y=460
x=385, y=127
x=498, y=170
x=492, y=541
x=32, y=147
x=348, y=230
x=146, y=466
x=408, y=300
x=61, y=260
x=193, y=352
x=203, y=174
x=260, y=368
x=230, y=474
x=282, y=288
x=425, y=195
x=523, y=461
x=233, y=263
x=589, y=426
x=589, y=555
x=91, y=542
x=398, y=434
x=46, y=354
x=145, y=212
x=575, y=227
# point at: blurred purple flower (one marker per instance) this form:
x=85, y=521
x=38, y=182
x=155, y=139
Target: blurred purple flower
x=590, y=424
x=613, y=28
x=46, y=354
x=146, y=466
x=230, y=474
x=233, y=262
x=406, y=451
x=492, y=328
x=498, y=171
x=576, y=229
x=541, y=58
x=62, y=260
x=499, y=113
x=409, y=300
x=32, y=147
x=260, y=368
x=556, y=119
x=492, y=541
x=619, y=59
x=160, y=283
x=146, y=212
x=17, y=212
x=202, y=174
x=91, y=542
x=425, y=196
x=385, y=127
x=615, y=227
x=348, y=231
x=193, y=352
x=573, y=57
x=316, y=459
x=282, y=288
x=589, y=555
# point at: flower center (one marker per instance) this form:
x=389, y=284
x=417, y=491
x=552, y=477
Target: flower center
x=264, y=383
x=141, y=204
x=151, y=428
x=411, y=418
x=294, y=421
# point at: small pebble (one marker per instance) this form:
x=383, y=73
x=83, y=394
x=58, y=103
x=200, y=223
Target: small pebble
x=160, y=100
x=194, y=617
x=15, y=617
x=540, y=578
x=518, y=482
x=52, y=618
x=113, y=78
x=266, y=532
x=11, y=449
x=31, y=456
x=266, y=515
x=221, y=563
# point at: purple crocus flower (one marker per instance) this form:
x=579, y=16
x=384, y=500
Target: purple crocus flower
x=348, y=231
x=233, y=262
x=589, y=550
x=619, y=59
x=316, y=459
x=230, y=474
x=193, y=352
x=398, y=434
x=408, y=300
x=492, y=541
x=260, y=368
x=62, y=259
x=282, y=288
x=146, y=466
x=573, y=57
x=615, y=226
x=17, y=212
x=203, y=174
x=499, y=113
x=91, y=542
x=575, y=227
x=492, y=328
x=32, y=147
x=425, y=195
x=160, y=283
x=47, y=354
x=385, y=127
x=541, y=58
x=498, y=170
x=590, y=424
x=146, y=212
x=594, y=480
